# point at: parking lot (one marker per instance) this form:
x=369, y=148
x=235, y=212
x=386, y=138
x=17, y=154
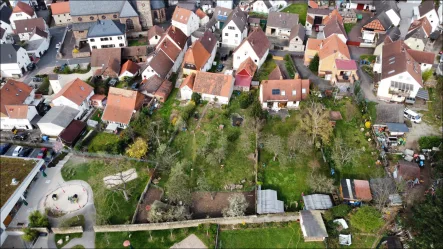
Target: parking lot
x=33, y=154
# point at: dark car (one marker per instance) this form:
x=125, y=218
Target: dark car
x=49, y=155
x=25, y=152
x=220, y=67
x=134, y=86
x=42, y=153
x=37, y=79
x=31, y=66
x=20, y=136
x=4, y=148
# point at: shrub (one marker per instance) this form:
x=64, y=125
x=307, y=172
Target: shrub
x=426, y=75
x=313, y=65
x=245, y=100
x=289, y=64
x=429, y=141
x=408, y=123
x=367, y=219
x=36, y=219
x=66, y=70
x=30, y=234
x=78, y=220
x=188, y=110
x=196, y=97
x=341, y=210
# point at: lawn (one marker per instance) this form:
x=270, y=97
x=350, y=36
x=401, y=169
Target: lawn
x=153, y=239
x=361, y=241
x=13, y=168
x=90, y=171
x=289, y=235
x=368, y=57
x=97, y=116
x=132, y=43
x=298, y=8
x=63, y=237
x=107, y=142
x=348, y=27
x=265, y=69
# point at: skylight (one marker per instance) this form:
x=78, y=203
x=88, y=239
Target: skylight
x=275, y=91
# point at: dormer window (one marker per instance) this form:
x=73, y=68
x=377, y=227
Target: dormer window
x=303, y=91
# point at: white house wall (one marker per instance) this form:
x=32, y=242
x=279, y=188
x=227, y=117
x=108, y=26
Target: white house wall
x=154, y=40
x=225, y=4
x=185, y=93
x=126, y=74
x=433, y=19
x=50, y=129
x=243, y=53
x=395, y=19
x=7, y=27
x=55, y=85
x=191, y=26
x=14, y=69
x=112, y=40
x=62, y=19
x=40, y=50
x=415, y=44
x=230, y=40
x=385, y=84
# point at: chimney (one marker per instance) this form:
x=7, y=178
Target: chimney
x=164, y=44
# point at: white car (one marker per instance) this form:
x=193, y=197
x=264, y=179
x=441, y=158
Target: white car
x=57, y=46
x=17, y=150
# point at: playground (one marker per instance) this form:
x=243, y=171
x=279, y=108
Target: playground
x=66, y=199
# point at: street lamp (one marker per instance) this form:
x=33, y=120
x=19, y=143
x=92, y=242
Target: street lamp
x=127, y=243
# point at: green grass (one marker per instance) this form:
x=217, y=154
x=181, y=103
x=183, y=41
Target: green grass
x=106, y=142
x=78, y=220
x=63, y=237
x=97, y=116
x=167, y=107
x=290, y=67
x=88, y=170
x=265, y=69
x=348, y=27
x=160, y=239
x=258, y=15
x=368, y=57
x=78, y=247
x=289, y=236
x=298, y=8
x=361, y=241
x=369, y=70
x=132, y=43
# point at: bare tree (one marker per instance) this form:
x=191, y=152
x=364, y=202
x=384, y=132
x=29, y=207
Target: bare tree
x=275, y=145
x=219, y=153
x=316, y=122
x=203, y=185
x=118, y=181
x=321, y=184
x=298, y=141
x=161, y=212
x=381, y=189
x=164, y=157
x=177, y=186
x=237, y=206
x=342, y=154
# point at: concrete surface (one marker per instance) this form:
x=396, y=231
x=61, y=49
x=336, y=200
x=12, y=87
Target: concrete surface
x=190, y=242
x=62, y=203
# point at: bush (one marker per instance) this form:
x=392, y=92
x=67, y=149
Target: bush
x=196, y=97
x=429, y=141
x=188, y=110
x=30, y=234
x=36, y=219
x=313, y=65
x=78, y=220
x=289, y=64
x=367, y=219
x=245, y=100
x=341, y=210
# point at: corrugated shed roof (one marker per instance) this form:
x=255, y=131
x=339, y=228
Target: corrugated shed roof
x=422, y=94
x=397, y=127
x=389, y=113
x=267, y=202
x=313, y=224
x=317, y=202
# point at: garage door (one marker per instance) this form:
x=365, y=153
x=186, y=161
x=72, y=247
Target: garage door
x=353, y=43
x=360, y=6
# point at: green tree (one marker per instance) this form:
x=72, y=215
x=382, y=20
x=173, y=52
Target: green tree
x=178, y=187
x=138, y=149
x=245, y=99
x=196, y=97
x=37, y=219
x=367, y=219
x=426, y=75
x=29, y=234
x=313, y=65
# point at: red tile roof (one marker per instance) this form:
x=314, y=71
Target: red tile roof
x=258, y=41
x=60, y=8
x=99, y=97
x=121, y=105
x=130, y=66
x=408, y=170
x=13, y=93
x=422, y=56
x=288, y=86
x=362, y=190
x=200, y=13
x=17, y=111
x=181, y=15
x=188, y=81
x=275, y=74
x=77, y=91
x=164, y=90
x=197, y=55
x=213, y=83
x=345, y=64
x=23, y=7
x=247, y=68
x=155, y=30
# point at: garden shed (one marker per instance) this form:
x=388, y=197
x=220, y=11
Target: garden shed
x=317, y=202
x=267, y=202
x=72, y=133
x=312, y=225
x=355, y=191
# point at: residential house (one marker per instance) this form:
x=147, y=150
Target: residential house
x=38, y=44
x=154, y=34
x=136, y=53
x=317, y=202
x=392, y=35
x=398, y=73
x=345, y=71
x=228, y=4
x=390, y=120
x=244, y=5
x=107, y=34
x=121, y=105
x=55, y=83
x=254, y=22
x=424, y=59
x=221, y=15
x=213, y=87
x=202, y=16
x=268, y=203
x=76, y=94
x=406, y=171
x=276, y=74
x=5, y=23
x=28, y=27
x=106, y=62
x=5, y=38
x=312, y=226
x=388, y=15
x=367, y=5
x=21, y=11
x=255, y=46
x=150, y=85
x=98, y=101
x=267, y=6
x=158, y=9
x=160, y=65
x=61, y=13
x=314, y=19
x=235, y=28
x=201, y=54
x=56, y=120
x=427, y=9
x=16, y=110
x=185, y=20
x=71, y=134
x=418, y=34
x=297, y=38
x=84, y=14
x=129, y=69
x=313, y=47
x=280, y=24
x=355, y=191
x=14, y=60
x=163, y=91
x=282, y=94
x=333, y=25
x=244, y=75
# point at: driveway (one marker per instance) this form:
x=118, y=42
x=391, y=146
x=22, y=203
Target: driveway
x=355, y=34
x=419, y=130
x=305, y=73
x=406, y=12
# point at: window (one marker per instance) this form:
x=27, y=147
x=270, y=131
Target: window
x=103, y=17
x=121, y=44
x=294, y=92
x=80, y=19
x=110, y=38
x=60, y=20
x=119, y=38
x=238, y=57
x=236, y=35
x=18, y=15
x=104, y=39
x=296, y=39
x=92, y=40
x=94, y=47
x=303, y=91
x=91, y=18
x=114, y=16
x=129, y=24
x=64, y=14
x=283, y=93
x=226, y=34
x=400, y=86
x=275, y=91
x=255, y=61
x=81, y=31
x=231, y=27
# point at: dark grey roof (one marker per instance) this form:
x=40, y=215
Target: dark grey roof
x=397, y=127
x=82, y=8
x=267, y=3
x=313, y=224
x=59, y=115
x=418, y=33
x=2, y=32
x=422, y=94
x=239, y=17
x=157, y=4
x=389, y=113
x=267, y=202
x=383, y=18
x=34, y=44
x=282, y=20
x=188, y=4
x=334, y=27
x=425, y=7
x=393, y=33
x=254, y=20
x=8, y=53
x=317, y=202
x=319, y=12
x=127, y=10
x=209, y=41
x=82, y=26
x=5, y=13
x=106, y=28
x=385, y=5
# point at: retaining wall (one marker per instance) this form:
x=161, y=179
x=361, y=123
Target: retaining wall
x=194, y=223
x=81, y=54
x=19, y=230
x=67, y=230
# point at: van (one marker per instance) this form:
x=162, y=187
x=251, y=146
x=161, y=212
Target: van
x=411, y=115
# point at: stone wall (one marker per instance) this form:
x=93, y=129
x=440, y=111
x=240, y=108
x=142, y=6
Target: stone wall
x=19, y=230
x=81, y=54
x=67, y=230
x=194, y=223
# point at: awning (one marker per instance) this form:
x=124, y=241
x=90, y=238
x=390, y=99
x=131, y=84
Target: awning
x=397, y=127
x=422, y=94
x=112, y=127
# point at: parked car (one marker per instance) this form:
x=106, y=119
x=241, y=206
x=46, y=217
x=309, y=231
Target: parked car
x=22, y=136
x=410, y=100
x=17, y=151
x=37, y=79
x=4, y=147
x=220, y=67
x=42, y=153
x=25, y=152
x=113, y=82
x=31, y=66
x=411, y=115
x=134, y=86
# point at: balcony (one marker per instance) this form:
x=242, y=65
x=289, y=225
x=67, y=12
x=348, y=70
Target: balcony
x=345, y=78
